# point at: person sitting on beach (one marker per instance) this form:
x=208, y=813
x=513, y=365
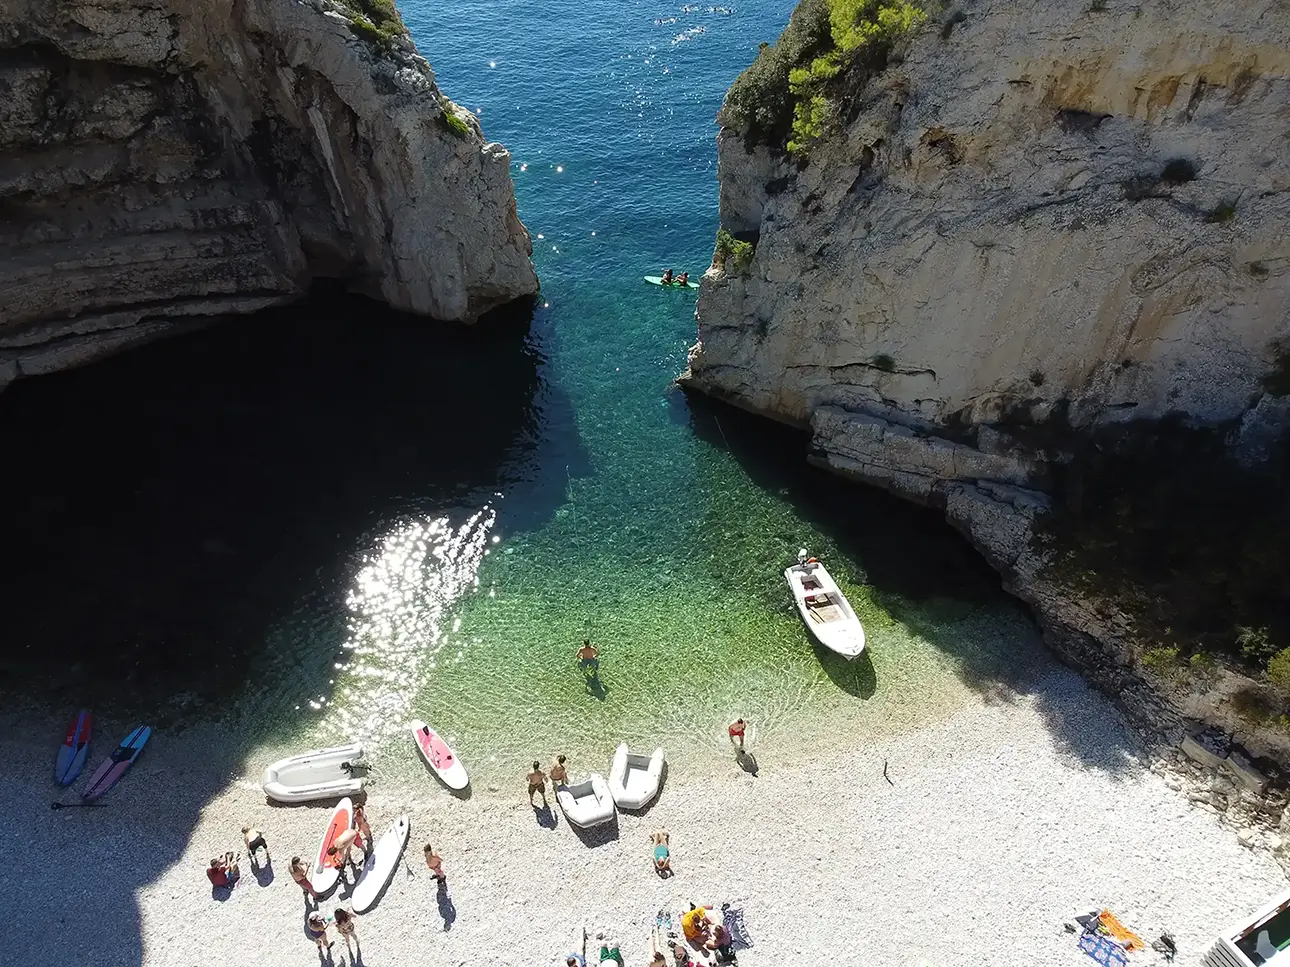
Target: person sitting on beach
x=559, y=771
x=317, y=928
x=737, y=729
x=537, y=783
x=435, y=862
x=365, y=830
x=683, y=279
x=589, y=658
x=695, y=925
x=720, y=941
x=254, y=840
x=299, y=874
x=662, y=854
x=222, y=872
x=667, y=277
x=340, y=851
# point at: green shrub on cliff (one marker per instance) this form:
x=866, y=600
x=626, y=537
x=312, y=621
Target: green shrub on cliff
x=453, y=123
x=376, y=21
x=732, y=254
x=792, y=92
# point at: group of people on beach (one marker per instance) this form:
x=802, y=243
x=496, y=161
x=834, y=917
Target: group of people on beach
x=704, y=937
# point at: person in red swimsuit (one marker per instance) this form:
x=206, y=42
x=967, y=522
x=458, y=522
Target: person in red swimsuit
x=736, y=730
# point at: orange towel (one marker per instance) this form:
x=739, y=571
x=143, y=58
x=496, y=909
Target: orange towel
x=1128, y=939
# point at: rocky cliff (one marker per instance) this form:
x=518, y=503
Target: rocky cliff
x=1022, y=225
x=164, y=160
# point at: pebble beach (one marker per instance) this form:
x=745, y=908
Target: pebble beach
x=992, y=828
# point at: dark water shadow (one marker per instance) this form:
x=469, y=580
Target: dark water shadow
x=179, y=500
x=595, y=687
x=855, y=676
x=447, y=909
x=921, y=571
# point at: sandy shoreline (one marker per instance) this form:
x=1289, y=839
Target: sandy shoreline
x=994, y=833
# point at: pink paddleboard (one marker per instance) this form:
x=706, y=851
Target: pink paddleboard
x=439, y=755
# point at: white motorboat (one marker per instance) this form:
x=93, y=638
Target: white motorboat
x=634, y=779
x=586, y=803
x=321, y=774
x=380, y=864
x=823, y=607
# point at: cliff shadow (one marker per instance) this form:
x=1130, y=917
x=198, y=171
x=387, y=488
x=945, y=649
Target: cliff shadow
x=924, y=575
x=171, y=506
x=182, y=499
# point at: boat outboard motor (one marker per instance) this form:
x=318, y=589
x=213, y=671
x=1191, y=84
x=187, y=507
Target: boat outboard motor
x=801, y=556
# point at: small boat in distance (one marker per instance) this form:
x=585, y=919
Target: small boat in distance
x=823, y=607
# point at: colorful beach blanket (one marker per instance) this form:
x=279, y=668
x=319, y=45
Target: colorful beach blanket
x=1103, y=950
x=1127, y=938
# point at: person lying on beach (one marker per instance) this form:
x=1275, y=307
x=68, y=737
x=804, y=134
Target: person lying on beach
x=360, y=823
x=341, y=849
x=559, y=772
x=299, y=874
x=537, y=783
x=222, y=872
x=737, y=728
x=317, y=927
x=609, y=952
x=435, y=862
x=662, y=854
x=254, y=840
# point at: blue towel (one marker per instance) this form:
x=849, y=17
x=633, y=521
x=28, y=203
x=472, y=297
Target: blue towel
x=1103, y=950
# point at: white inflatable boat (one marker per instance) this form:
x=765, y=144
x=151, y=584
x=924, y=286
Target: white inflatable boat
x=586, y=803
x=380, y=864
x=634, y=779
x=828, y=615
x=322, y=774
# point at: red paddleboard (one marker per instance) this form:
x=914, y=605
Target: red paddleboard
x=326, y=869
x=75, y=749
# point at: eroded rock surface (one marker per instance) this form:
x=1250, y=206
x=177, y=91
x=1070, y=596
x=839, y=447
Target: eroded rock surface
x=163, y=160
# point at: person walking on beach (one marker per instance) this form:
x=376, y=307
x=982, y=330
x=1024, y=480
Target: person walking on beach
x=435, y=862
x=365, y=830
x=299, y=874
x=559, y=772
x=317, y=927
x=589, y=659
x=537, y=783
x=254, y=840
x=345, y=927
x=342, y=848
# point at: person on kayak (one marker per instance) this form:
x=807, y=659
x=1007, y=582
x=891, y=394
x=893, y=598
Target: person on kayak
x=667, y=278
x=683, y=279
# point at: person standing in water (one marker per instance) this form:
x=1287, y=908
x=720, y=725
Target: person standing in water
x=736, y=729
x=589, y=659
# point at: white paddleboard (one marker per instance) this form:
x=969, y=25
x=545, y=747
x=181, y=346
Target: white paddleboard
x=380, y=864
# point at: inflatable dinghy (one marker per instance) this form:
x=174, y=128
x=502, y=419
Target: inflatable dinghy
x=321, y=774
x=634, y=779
x=586, y=803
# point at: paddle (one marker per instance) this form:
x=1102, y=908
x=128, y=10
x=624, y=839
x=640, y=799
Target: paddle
x=76, y=805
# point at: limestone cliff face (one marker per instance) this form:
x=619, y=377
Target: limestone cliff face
x=162, y=160
x=1070, y=208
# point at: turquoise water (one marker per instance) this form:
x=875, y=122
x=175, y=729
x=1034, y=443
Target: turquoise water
x=325, y=521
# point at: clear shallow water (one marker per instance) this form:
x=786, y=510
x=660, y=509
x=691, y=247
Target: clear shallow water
x=328, y=522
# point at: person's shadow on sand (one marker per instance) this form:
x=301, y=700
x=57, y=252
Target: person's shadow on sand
x=447, y=909
x=263, y=872
x=545, y=816
x=747, y=762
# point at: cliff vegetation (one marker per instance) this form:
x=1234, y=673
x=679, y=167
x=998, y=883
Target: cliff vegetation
x=800, y=85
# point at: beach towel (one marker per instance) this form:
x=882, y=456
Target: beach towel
x=733, y=920
x=1129, y=940
x=1103, y=950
